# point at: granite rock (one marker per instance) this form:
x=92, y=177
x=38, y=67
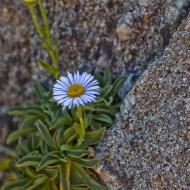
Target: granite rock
x=128, y=33
x=14, y=52
x=149, y=146
x=15, y=68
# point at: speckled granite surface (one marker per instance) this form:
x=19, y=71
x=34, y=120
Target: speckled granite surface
x=122, y=34
x=15, y=68
x=149, y=147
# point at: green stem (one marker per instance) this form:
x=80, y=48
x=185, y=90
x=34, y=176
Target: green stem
x=35, y=20
x=47, y=31
x=54, y=59
x=82, y=123
x=48, y=40
x=68, y=174
x=45, y=36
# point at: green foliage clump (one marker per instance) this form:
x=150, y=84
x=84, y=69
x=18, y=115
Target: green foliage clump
x=49, y=154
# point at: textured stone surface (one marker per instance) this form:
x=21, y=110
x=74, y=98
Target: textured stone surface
x=123, y=34
x=15, y=51
x=15, y=68
x=149, y=148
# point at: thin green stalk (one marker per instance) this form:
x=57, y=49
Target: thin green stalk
x=47, y=31
x=82, y=123
x=35, y=20
x=48, y=40
x=45, y=36
x=54, y=59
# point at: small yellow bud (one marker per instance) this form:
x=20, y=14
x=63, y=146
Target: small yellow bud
x=30, y=2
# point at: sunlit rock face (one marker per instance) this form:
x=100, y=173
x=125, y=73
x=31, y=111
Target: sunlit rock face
x=148, y=148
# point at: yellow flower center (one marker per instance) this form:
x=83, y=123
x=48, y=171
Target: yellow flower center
x=75, y=90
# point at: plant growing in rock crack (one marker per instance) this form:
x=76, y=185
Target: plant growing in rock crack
x=56, y=132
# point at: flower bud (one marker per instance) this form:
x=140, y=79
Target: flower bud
x=30, y=2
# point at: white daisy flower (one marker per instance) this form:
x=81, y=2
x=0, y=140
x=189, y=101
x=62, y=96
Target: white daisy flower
x=74, y=90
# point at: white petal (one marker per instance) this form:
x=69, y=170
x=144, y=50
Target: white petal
x=61, y=83
x=90, y=99
x=75, y=78
x=63, y=100
x=90, y=96
x=68, y=102
x=60, y=98
x=65, y=81
x=92, y=83
x=81, y=101
x=84, y=98
x=75, y=102
x=87, y=79
x=87, y=98
x=70, y=77
x=78, y=77
x=58, y=90
x=56, y=95
x=83, y=77
x=59, y=86
x=92, y=92
x=93, y=88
